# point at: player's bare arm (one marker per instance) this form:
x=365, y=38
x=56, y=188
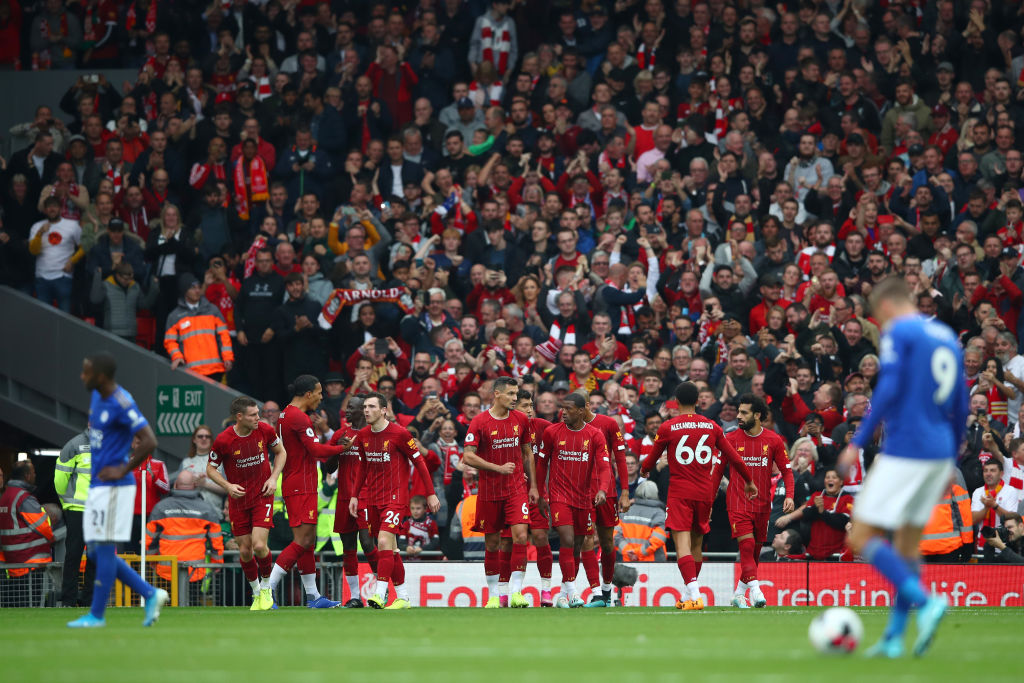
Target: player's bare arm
x=213, y=474
x=470, y=458
x=280, y=458
x=145, y=446
x=750, y=488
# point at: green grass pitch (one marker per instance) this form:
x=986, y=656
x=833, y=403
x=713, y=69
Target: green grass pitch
x=295, y=645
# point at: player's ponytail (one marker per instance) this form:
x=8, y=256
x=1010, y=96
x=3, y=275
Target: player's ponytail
x=302, y=385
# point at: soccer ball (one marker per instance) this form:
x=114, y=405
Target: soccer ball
x=837, y=630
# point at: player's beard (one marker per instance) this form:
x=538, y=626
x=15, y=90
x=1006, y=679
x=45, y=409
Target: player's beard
x=747, y=426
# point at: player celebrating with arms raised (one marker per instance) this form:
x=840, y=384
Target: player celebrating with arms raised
x=299, y=487
x=571, y=451
x=114, y=420
x=692, y=438
x=921, y=391
x=760, y=449
x=387, y=492
x=498, y=445
x=250, y=483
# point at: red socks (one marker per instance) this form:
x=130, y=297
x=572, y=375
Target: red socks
x=504, y=566
x=697, y=566
x=250, y=569
x=290, y=555
x=351, y=563
x=492, y=564
x=371, y=559
x=265, y=564
x=590, y=566
x=567, y=563
x=398, y=569
x=748, y=568
x=607, y=566
x=687, y=568
x=307, y=562
x=386, y=565
x=544, y=561
x=517, y=558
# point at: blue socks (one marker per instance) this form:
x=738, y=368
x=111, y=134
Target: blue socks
x=888, y=562
x=127, y=575
x=108, y=568
x=898, y=616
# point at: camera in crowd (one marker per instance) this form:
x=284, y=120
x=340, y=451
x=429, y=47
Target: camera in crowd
x=993, y=531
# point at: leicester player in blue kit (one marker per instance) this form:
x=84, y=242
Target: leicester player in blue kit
x=922, y=398
x=114, y=420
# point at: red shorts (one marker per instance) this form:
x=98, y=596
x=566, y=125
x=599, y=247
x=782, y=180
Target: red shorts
x=606, y=514
x=538, y=520
x=345, y=523
x=563, y=514
x=301, y=509
x=492, y=516
x=743, y=523
x=259, y=514
x=386, y=517
x=688, y=515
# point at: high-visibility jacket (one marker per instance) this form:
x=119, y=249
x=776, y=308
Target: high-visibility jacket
x=25, y=533
x=188, y=527
x=325, y=521
x=199, y=338
x=73, y=472
x=472, y=540
x=949, y=527
x=640, y=535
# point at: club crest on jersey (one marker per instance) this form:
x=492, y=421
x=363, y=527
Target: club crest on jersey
x=515, y=429
x=764, y=448
x=259, y=445
x=586, y=443
x=386, y=443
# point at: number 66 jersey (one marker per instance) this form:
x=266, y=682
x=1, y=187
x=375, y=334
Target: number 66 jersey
x=693, y=444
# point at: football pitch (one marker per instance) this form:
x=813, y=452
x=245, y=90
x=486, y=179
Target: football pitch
x=296, y=645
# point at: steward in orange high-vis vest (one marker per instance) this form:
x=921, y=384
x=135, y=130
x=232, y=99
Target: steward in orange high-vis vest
x=196, y=333
x=640, y=535
x=185, y=525
x=949, y=536
x=25, y=533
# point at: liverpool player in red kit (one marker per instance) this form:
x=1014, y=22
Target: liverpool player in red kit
x=242, y=450
x=691, y=441
x=606, y=516
x=299, y=486
x=386, y=477
x=354, y=531
x=571, y=451
x=498, y=445
x=761, y=450
x=539, y=523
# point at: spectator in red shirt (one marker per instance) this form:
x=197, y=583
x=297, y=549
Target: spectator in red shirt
x=829, y=513
x=393, y=82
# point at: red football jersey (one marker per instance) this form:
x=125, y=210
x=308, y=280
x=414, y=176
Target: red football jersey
x=348, y=463
x=759, y=453
x=383, y=476
x=616, y=449
x=538, y=425
x=694, y=444
x=301, y=475
x=246, y=460
x=498, y=442
x=571, y=458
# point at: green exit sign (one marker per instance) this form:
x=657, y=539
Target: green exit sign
x=179, y=409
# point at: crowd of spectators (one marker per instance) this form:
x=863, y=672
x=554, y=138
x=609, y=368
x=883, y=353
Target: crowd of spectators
x=419, y=197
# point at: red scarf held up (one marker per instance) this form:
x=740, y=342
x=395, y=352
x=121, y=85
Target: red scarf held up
x=340, y=298
x=257, y=183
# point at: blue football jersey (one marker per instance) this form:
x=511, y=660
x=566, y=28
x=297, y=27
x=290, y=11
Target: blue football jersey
x=113, y=421
x=921, y=394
